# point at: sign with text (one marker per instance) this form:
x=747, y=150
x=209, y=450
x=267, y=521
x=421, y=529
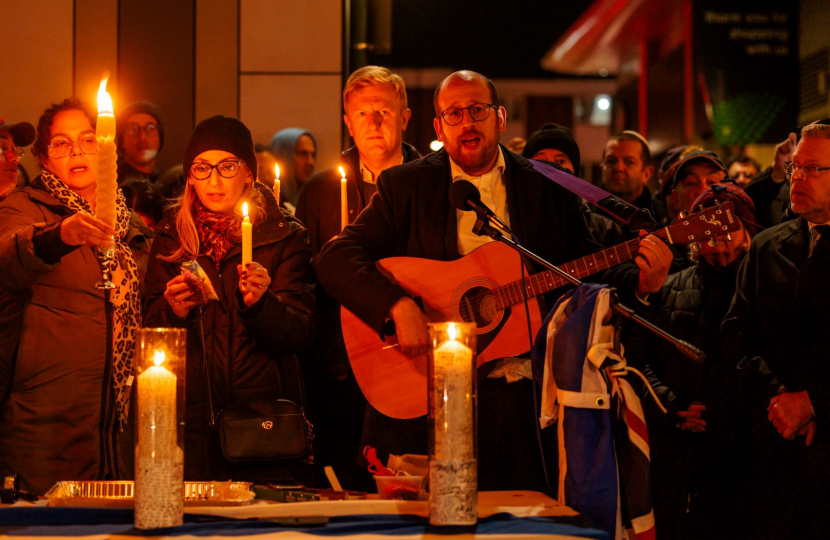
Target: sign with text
x=746, y=59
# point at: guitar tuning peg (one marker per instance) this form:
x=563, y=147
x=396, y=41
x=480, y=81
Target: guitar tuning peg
x=713, y=242
x=683, y=214
x=694, y=247
x=729, y=236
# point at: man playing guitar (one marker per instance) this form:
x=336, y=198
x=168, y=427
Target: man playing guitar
x=411, y=216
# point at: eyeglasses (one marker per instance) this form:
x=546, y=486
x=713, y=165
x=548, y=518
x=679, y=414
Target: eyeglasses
x=149, y=130
x=7, y=150
x=478, y=112
x=810, y=171
x=226, y=169
x=62, y=146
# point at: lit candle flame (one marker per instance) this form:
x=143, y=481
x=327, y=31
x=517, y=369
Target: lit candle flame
x=342, y=173
x=245, y=209
x=158, y=358
x=277, y=171
x=104, y=99
x=452, y=331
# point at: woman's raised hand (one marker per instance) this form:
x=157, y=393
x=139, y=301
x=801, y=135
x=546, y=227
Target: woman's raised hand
x=253, y=282
x=179, y=294
x=82, y=229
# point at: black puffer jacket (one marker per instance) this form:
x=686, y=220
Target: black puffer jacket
x=695, y=476
x=249, y=350
x=691, y=306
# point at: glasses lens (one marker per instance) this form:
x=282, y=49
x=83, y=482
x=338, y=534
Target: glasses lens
x=788, y=167
x=452, y=116
x=133, y=130
x=60, y=147
x=8, y=150
x=200, y=171
x=88, y=144
x=479, y=112
x=228, y=169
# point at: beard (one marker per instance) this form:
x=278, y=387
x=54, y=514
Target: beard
x=473, y=160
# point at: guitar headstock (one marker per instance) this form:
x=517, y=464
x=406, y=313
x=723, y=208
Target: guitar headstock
x=708, y=223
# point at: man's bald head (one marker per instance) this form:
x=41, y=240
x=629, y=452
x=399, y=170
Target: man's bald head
x=465, y=76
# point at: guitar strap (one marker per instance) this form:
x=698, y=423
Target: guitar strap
x=635, y=218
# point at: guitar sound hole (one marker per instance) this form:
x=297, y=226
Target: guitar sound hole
x=478, y=305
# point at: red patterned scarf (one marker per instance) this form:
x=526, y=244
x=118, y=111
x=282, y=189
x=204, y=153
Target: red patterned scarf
x=218, y=233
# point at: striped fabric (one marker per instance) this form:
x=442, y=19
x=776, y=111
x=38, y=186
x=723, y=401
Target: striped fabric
x=604, y=453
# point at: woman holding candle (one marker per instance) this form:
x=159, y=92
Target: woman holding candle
x=67, y=347
x=265, y=308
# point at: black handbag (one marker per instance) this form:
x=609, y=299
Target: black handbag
x=263, y=430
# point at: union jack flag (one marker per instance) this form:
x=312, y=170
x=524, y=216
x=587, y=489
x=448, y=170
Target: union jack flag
x=604, y=453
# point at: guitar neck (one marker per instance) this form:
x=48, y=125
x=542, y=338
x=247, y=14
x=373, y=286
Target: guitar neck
x=511, y=294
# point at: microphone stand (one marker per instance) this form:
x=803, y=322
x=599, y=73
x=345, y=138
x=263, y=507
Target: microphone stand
x=483, y=227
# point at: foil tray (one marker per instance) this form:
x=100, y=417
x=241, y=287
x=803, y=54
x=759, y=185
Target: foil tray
x=120, y=494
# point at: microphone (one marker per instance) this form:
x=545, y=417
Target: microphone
x=465, y=196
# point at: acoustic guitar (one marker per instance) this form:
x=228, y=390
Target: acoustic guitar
x=484, y=287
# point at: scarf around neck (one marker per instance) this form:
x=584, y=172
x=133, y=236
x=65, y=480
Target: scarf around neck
x=218, y=233
x=125, y=298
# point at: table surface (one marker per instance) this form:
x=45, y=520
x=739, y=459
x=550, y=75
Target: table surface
x=502, y=514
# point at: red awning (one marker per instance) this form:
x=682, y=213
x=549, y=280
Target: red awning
x=609, y=33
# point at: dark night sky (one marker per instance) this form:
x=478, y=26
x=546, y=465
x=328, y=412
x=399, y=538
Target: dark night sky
x=499, y=38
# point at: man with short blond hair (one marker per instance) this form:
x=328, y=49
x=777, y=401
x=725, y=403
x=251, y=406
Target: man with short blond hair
x=775, y=328
x=376, y=115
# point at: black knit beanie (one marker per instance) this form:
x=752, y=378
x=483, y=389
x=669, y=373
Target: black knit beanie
x=556, y=137
x=221, y=133
x=139, y=107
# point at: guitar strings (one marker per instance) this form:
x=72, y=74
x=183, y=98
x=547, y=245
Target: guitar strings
x=471, y=303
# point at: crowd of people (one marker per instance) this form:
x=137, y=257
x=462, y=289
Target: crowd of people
x=742, y=451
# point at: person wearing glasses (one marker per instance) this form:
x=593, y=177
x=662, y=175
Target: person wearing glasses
x=241, y=345
x=770, y=189
x=743, y=169
x=776, y=331
x=411, y=215
x=13, y=137
x=66, y=347
x=139, y=138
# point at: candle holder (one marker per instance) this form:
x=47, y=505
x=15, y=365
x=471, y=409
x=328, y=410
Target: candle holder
x=106, y=258
x=453, y=465
x=159, y=449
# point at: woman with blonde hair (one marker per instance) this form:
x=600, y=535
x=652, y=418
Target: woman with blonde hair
x=242, y=340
